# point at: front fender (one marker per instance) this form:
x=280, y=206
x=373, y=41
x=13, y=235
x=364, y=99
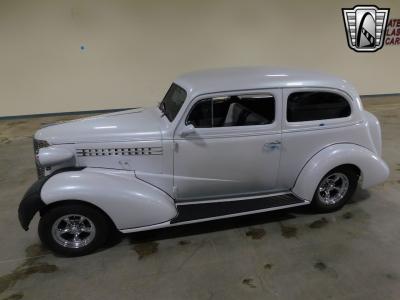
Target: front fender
x=31, y=203
x=373, y=169
x=128, y=201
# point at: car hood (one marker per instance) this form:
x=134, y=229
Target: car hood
x=122, y=126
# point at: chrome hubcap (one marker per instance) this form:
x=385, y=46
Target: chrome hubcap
x=73, y=231
x=333, y=188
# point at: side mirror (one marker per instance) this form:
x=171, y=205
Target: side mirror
x=189, y=129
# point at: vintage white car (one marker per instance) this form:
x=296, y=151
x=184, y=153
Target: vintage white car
x=222, y=143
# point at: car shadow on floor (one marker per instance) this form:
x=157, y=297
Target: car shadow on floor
x=359, y=196
x=211, y=226
x=207, y=227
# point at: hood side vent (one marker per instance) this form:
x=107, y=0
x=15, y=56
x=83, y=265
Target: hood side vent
x=119, y=151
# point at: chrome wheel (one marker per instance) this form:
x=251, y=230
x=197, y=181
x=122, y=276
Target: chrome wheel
x=73, y=231
x=333, y=188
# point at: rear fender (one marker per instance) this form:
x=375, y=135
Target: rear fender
x=373, y=169
x=374, y=129
x=128, y=201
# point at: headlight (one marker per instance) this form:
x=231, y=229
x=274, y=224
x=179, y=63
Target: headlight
x=50, y=156
x=37, y=145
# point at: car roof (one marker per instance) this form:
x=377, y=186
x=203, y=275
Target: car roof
x=251, y=78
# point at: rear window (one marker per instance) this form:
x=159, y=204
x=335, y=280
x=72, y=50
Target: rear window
x=311, y=106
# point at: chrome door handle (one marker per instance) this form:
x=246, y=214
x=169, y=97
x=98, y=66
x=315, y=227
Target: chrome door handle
x=272, y=145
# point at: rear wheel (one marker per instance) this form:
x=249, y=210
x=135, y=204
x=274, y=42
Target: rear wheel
x=335, y=189
x=73, y=229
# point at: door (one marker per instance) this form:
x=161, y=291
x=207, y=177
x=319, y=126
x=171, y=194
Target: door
x=313, y=119
x=228, y=145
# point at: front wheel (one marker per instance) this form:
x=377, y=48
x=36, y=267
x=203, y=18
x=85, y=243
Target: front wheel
x=335, y=189
x=73, y=229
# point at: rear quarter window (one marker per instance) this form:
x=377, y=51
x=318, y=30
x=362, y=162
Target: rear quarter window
x=311, y=106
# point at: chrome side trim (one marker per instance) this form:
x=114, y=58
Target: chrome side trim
x=240, y=214
x=144, y=228
x=119, y=151
x=231, y=199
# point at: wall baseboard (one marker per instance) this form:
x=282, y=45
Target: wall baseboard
x=69, y=113
x=104, y=111
x=380, y=95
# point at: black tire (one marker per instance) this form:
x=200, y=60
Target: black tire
x=352, y=176
x=92, y=218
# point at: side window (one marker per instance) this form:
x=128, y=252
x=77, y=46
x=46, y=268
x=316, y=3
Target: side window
x=312, y=106
x=200, y=115
x=243, y=110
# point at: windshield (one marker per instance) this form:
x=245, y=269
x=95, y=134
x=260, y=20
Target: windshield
x=173, y=101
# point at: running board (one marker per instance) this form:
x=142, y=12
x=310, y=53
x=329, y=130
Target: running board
x=204, y=211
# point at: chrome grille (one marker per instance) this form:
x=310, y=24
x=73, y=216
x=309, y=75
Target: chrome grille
x=38, y=144
x=119, y=151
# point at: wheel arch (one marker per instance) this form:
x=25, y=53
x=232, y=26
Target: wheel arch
x=356, y=169
x=50, y=206
x=352, y=166
x=371, y=167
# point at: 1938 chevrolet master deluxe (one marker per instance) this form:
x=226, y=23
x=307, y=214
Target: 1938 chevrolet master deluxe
x=222, y=143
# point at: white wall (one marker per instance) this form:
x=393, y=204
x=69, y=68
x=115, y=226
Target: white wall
x=134, y=49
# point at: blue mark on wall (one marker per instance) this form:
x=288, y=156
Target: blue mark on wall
x=82, y=47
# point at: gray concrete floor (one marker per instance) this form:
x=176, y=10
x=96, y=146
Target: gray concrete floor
x=293, y=254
